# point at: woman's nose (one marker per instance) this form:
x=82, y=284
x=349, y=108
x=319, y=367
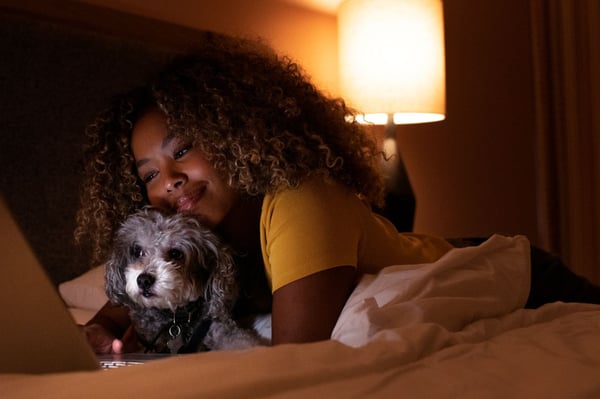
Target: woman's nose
x=173, y=185
x=173, y=181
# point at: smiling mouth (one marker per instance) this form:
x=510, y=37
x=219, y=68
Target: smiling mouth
x=187, y=201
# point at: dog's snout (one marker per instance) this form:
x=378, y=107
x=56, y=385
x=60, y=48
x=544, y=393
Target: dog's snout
x=145, y=281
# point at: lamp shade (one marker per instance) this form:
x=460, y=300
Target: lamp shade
x=392, y=58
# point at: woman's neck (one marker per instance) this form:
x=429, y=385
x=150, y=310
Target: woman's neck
x=241, y=226
x=241, y=230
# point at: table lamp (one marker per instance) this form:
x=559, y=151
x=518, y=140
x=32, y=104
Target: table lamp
x=392, y=70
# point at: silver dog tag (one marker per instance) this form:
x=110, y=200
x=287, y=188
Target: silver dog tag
x=176, y=341
x=175, y=344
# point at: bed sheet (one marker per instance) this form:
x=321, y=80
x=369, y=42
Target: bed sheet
x=453, y=328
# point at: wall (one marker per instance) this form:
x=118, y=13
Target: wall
x=473, y=174
x=307, y=36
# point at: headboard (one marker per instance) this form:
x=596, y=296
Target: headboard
x=55, y=77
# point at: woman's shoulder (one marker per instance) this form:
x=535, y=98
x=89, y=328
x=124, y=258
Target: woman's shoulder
x=318, y=190
x=318, y=206
x=308, y=229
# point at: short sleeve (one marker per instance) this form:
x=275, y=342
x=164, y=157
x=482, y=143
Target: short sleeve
x=309, y=229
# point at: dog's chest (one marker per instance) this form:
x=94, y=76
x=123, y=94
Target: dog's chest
x=175, y=332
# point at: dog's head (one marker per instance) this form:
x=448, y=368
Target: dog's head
x=167, y=261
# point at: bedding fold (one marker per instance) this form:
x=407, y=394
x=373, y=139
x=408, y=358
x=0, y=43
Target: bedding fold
x=465, y=285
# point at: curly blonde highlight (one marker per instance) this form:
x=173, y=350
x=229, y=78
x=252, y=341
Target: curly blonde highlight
x=254, y=115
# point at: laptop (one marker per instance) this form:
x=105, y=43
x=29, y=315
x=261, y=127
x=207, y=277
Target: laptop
x=38, y=333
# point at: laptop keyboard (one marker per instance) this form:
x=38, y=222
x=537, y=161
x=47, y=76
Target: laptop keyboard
x=109, y=362
x=115, y=364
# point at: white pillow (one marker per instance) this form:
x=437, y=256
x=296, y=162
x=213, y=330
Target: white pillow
x=81, y=316
x=463, y=286
x=85, y=291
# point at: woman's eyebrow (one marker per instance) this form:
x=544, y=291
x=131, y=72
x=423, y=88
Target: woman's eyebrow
x=167, y=140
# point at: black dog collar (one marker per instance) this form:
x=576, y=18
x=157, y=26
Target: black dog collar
x=185, y=331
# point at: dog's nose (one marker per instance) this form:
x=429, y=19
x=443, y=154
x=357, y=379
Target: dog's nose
x=145, y=281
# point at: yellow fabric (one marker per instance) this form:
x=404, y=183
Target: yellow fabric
x=322, y=225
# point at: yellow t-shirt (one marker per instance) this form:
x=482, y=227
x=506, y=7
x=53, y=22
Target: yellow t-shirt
x=322, y=225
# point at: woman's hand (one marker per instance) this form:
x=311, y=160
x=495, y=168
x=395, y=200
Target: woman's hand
x=127, y=343
x=103, y=341
x=99, y=338
x=109, y=331
x=306, y=310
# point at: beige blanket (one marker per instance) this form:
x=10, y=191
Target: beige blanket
x=450, y=329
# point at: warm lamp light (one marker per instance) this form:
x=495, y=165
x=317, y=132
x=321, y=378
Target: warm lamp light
x=392, y=70
x=392, y=59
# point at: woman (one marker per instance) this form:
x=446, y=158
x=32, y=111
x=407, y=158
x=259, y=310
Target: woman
x=239, y=137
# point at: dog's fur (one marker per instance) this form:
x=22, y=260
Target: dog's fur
x=175, y=276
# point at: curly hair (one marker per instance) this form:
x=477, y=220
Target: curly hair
x=255, y=116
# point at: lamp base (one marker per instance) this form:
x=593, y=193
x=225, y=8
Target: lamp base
x=400, y=202
x=400, y=210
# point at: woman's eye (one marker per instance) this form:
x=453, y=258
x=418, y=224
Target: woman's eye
x=182, y=151
x=148, y=177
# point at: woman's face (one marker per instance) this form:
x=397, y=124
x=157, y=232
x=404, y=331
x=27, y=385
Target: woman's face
x=176, y=175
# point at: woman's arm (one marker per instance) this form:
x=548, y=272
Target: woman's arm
x=306, y=310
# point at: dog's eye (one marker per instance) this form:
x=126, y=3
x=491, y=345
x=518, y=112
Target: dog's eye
x=137, y=252
x=175, y=254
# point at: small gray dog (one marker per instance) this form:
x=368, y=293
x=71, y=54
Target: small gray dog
x=178, y=282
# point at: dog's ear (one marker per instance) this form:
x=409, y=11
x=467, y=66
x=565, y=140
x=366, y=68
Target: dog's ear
x=222, y=287
x=114, y=273
x=217, y=266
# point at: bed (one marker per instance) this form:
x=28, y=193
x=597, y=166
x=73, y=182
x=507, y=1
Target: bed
x=452, y=328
